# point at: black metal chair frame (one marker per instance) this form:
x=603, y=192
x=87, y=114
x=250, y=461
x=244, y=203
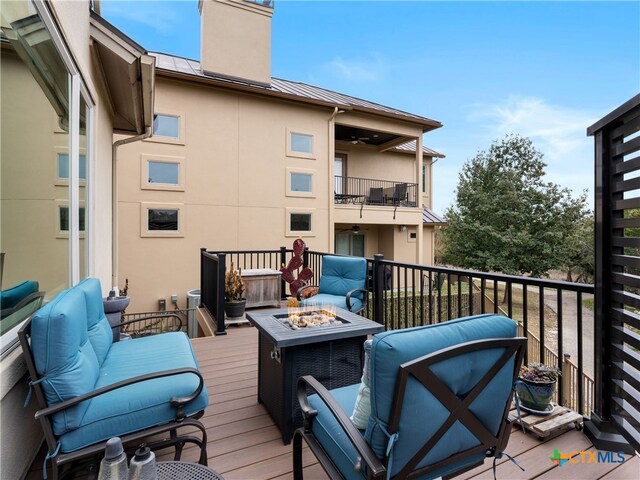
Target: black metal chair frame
x=420, y=369
x=93, y=453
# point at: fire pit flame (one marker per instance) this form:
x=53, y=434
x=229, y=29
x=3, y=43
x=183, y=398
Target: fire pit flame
x=311, y=316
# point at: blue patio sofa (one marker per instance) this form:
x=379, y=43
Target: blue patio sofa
x=91, y=388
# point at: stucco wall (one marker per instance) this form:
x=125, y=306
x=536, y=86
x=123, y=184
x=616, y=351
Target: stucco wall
x=234, y=197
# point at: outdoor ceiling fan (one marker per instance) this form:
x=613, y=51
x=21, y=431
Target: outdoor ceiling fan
x=356, y=140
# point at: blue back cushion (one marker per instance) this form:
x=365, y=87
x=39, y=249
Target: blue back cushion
x=12, y=296
x=99, y=329
x=64, y=355
x=342, y=274
x=422, y=415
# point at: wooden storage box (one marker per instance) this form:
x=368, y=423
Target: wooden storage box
x=261, y=287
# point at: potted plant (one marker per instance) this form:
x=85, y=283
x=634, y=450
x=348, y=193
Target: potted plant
x=234, y=302
x=536, y=386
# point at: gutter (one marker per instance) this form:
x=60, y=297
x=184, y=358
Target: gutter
x=114, y=201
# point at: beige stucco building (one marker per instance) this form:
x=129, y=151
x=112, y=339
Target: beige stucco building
x=240, y=161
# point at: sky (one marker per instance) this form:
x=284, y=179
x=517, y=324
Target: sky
x=545, y=70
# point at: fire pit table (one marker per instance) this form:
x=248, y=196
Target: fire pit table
x=329, y=348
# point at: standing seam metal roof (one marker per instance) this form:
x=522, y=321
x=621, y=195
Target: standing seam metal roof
x=298, y=89
x=431, y=218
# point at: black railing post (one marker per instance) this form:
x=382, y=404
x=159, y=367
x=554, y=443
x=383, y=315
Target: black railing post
x=202, y=274
x=378, y=288
x=283, y=263
x=222, y=270
x=305, y=257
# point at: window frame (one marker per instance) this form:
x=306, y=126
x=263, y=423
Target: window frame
x=299, y=233
x=294, y=153
x=62, y=181
x=60, y=204
x=144, y=172
x=180, y=140
x=144, y=220
x=302, y=171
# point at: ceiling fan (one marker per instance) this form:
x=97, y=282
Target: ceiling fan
x=356, y=140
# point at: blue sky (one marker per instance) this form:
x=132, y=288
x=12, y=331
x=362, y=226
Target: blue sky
x=546, y=70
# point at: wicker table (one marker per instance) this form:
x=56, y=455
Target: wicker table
x=332, y=354
x=185, y=471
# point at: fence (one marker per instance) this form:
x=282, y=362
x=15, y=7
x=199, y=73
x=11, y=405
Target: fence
x=404, y=295
x=369, y=191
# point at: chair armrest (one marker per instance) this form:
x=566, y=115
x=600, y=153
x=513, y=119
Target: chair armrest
x=300, y=290
x=152, y=317
x=32, y=297
x=365, y=295
x=175, y=401
x=353, y=434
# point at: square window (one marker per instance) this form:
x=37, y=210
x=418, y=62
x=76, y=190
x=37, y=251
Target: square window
x=160, y=219
x=63, y=219
x=63, y=166
x=301, y=143
x=166, y=126
x=301, y=182
x=163, y=172
x=300, y=222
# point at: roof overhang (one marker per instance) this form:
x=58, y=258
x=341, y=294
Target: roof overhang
x=128, y=76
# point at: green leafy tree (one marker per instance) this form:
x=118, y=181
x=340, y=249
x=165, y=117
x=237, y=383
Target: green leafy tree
x=506, y=217
x=580, y=247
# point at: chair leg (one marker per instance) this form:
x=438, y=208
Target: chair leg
x=297, y=456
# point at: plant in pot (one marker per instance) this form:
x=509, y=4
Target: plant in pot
x=234, y=302
x=536, y=386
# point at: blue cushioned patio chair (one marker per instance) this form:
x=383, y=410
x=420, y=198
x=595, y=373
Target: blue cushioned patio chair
x=90, y=388
x=440, y=396
x=19, y=296
x=342, y=284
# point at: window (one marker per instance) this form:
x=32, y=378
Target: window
x=63, y=166
x=161, y=220
x=299, y=222
x=299, y=144
x=350, y=244
x=300, y=182
x=424, y=178
x=166, y=126
x=63, y=218
x=160, y=172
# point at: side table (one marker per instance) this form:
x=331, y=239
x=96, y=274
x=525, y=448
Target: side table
x=186, y=471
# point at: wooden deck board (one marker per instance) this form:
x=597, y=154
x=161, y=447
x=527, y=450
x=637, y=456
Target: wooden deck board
x=244, y=443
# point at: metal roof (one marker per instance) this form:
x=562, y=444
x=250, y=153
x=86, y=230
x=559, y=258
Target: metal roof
x=410, y=147
x=431, y=218
x=287, y=88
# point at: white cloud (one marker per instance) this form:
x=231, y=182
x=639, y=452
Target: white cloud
x=558, y=132
x=161, y=16
x=357, y=70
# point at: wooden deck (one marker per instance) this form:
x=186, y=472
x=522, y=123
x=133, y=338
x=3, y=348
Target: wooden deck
x=244, y=442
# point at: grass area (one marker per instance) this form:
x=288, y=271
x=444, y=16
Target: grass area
x=589, y=303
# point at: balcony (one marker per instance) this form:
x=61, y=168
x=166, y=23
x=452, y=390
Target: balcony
x=373, y=192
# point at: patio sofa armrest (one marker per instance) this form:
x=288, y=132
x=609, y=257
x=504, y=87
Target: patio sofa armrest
x=365, y=295
x=300, y=290
x=152, y=317
x=178, y=402
x=373, y=463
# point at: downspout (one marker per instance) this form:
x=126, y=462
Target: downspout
x=332, y=152
x=114, y=201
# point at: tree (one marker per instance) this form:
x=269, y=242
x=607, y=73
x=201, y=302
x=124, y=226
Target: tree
x=581, y=252
x=506, y=217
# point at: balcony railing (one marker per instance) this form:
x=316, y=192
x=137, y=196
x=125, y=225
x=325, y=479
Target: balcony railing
x=404, y=295
x=369, y=191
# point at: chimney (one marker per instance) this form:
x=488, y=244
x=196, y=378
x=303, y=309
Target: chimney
x=235, y=39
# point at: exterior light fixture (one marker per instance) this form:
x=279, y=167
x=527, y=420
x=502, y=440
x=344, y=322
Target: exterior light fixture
x=403, y=228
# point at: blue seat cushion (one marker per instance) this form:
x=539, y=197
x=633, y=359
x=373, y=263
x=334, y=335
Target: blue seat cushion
x=64, y=356
x=331, y=436
x=11, y=297
x=99, y=329
x=342, y=274
x=142, y=405
x=460, y=374
x=335, y=300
